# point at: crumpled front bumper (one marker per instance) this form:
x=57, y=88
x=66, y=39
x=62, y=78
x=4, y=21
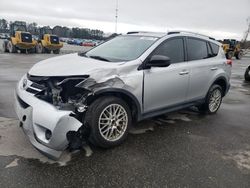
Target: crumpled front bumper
x=38, y=116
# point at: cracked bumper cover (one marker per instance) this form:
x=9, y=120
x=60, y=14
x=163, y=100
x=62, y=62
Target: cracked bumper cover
x=38, y=116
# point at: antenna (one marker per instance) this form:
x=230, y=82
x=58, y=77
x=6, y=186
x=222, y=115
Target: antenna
x=116, y=16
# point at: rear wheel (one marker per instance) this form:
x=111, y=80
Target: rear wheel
x=39, y=48
x=47, y=51
x=11, y=47
x=229, y=55
x=239, y=55
x=31, y=50
x=109, y=119
x=213, y=100
x=247, y=74
x=56, y=51
x=23, y=51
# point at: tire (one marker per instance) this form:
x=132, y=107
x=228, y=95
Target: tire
x=47, y=51
x=207, y=107
x=5, y=49
x=11, y=47
x=247, y=74
x=31, y=50
x=56, y=51
x=97, y=119
x=23, y=51
x=39, y=48
x=229, y=55
x=239, y=55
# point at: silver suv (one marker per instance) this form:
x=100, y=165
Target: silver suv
x=97, y=95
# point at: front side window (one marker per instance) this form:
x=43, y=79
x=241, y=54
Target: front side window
x=197, y=49
x=173, y=48
x=122, y=48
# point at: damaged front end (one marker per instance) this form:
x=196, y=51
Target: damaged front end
x=51, y=109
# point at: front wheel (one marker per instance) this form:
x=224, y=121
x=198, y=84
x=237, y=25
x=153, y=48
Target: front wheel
x=213, y=100
x=109, y=119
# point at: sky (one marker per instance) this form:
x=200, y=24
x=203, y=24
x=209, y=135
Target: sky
x=216, y=18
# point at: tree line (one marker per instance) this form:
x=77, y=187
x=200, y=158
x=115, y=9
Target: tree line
x=61, y=31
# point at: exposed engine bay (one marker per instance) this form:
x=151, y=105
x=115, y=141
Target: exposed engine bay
x=62, y=92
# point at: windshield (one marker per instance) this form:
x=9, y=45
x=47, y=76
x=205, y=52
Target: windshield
x=122, y=48
x=19, y=28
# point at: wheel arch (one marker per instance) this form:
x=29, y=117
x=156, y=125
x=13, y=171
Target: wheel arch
x=221, y=81
x=125, y=95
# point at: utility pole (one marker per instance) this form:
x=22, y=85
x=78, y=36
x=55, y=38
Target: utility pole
x=116, y=16
x=244, y=40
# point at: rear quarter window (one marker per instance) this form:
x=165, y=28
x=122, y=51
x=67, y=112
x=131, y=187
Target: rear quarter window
x=215, y=48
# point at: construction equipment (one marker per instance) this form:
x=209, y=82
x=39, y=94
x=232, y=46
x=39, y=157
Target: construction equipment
x=19, y=39
x=232, y=48
x=48, y=42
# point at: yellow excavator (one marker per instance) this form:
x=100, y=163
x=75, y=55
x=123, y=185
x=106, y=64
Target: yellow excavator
x=232, y=48
x=48, y=42
x=20, y=39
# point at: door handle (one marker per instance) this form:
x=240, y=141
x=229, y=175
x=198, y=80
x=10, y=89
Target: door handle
x=183, y=72
x=214, y=68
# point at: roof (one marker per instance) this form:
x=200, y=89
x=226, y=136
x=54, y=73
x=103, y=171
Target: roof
x=160, y=35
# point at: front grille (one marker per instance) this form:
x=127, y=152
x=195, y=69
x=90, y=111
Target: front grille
x=22, y=103
x=54, y=40
x=26, y=37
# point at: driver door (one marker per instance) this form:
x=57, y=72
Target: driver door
x=167, y=86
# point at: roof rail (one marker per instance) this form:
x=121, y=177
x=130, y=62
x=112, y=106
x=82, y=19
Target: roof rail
x=189, y=32
x=144, y=32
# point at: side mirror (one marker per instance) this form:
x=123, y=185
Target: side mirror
x=159, y=61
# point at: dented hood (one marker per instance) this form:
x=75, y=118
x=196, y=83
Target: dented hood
x=69, y=65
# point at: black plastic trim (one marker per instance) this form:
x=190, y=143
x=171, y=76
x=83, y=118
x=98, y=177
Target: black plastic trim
x=172, y=108
x=22, y=103
x=130, y=95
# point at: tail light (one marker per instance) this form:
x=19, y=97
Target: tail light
x=229, y=62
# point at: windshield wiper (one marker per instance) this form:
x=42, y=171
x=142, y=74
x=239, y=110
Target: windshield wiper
x=99, y=58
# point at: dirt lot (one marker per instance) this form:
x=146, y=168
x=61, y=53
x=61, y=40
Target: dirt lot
x=182, y=149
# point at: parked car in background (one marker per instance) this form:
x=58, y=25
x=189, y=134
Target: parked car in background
x=88, y=43
x=75, y=41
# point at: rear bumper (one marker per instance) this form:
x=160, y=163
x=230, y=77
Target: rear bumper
x=24, y=45
x=38, y=116
x=54, y=46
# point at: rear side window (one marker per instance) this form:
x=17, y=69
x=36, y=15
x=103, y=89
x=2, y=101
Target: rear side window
x=215, y=48
x=173, y=48
x=197, y=49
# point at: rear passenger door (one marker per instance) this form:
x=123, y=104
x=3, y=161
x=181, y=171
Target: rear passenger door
x=202, y=62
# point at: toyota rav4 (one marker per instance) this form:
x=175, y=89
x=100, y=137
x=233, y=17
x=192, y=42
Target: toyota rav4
x=98, y=94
